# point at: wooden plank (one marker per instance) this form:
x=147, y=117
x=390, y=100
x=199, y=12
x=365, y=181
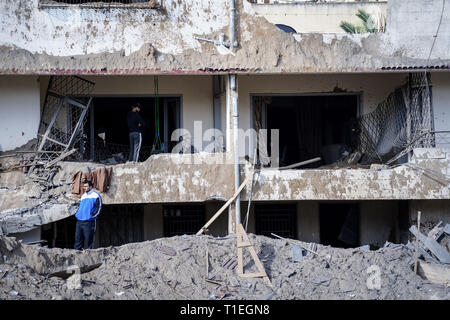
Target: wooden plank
x=295, y=244
x=439, y=251
x=207, y=262
x=240, y=262
x=255, y=257
x=299, y=164
x=240, y=253
x=243, y=238
x=218, y=213
x=416, y=255
x=244, y=244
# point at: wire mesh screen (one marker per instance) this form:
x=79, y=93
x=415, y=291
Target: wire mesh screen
x=64, y=114
x=120, y=224
x=278, y=219
x=184, y=219
x=402, y=122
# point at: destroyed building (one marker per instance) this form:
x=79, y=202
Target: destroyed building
x=374, y=107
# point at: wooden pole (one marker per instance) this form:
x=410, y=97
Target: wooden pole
x=241, y=187
x=417, y=243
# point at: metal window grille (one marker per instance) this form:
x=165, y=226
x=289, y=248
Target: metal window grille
x=64, y=114
x=184, y=219
x=279, y=219
x=120, y=224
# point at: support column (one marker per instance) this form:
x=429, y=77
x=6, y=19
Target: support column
x=234, y=212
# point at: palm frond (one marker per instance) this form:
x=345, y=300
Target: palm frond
x=349, y=27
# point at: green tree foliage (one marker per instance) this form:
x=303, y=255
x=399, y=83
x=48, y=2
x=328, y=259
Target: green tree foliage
x=367, y=25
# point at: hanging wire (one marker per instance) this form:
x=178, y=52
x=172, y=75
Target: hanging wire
x=157, y=144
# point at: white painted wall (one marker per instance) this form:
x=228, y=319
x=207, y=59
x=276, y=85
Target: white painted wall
x=75, y=31
x=19, y=110
x=416, y=22
x=322, y=17
x=441, y=105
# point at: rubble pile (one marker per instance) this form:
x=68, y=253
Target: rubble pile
x=204, y=268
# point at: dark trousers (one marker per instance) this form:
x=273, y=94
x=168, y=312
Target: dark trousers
x=84, y=234
x=135, y=146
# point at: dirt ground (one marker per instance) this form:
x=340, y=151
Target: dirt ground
x=175, y=268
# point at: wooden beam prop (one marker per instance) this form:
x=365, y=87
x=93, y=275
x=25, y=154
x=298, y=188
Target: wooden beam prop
x=218, y=213
x=244, y=242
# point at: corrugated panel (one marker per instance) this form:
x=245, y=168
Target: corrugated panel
x=415, y=67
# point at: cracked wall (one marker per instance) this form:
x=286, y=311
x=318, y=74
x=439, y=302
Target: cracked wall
x=19, y=109
x=123, y=41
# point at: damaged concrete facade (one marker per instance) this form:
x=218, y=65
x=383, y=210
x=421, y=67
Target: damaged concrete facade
x=121, y=49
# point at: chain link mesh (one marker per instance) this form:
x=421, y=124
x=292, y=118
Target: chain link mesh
x=402, y=122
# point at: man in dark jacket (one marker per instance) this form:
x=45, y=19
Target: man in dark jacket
x=87, y=213
x=136, y=125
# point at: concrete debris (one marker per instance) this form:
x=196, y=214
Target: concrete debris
x=447, y=229
x=436, y=232
x=435, y=273
x=297, y=253
x=138, y=271
x=375, y=166
x=430, y=244
x=167, y=250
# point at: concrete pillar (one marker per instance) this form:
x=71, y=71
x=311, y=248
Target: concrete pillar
x=308, y=224
x=234, y=212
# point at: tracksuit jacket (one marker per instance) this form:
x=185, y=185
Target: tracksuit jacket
x=90, y=206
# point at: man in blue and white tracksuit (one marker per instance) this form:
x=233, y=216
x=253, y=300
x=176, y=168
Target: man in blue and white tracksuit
x=87, y=213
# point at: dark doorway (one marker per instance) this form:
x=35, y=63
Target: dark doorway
x=60, y=234
x=108, y=130
x=120, y=224
x=116, y=225
x=339, y=224
x=310, y=126
x=183, y=219
x=279, y=219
